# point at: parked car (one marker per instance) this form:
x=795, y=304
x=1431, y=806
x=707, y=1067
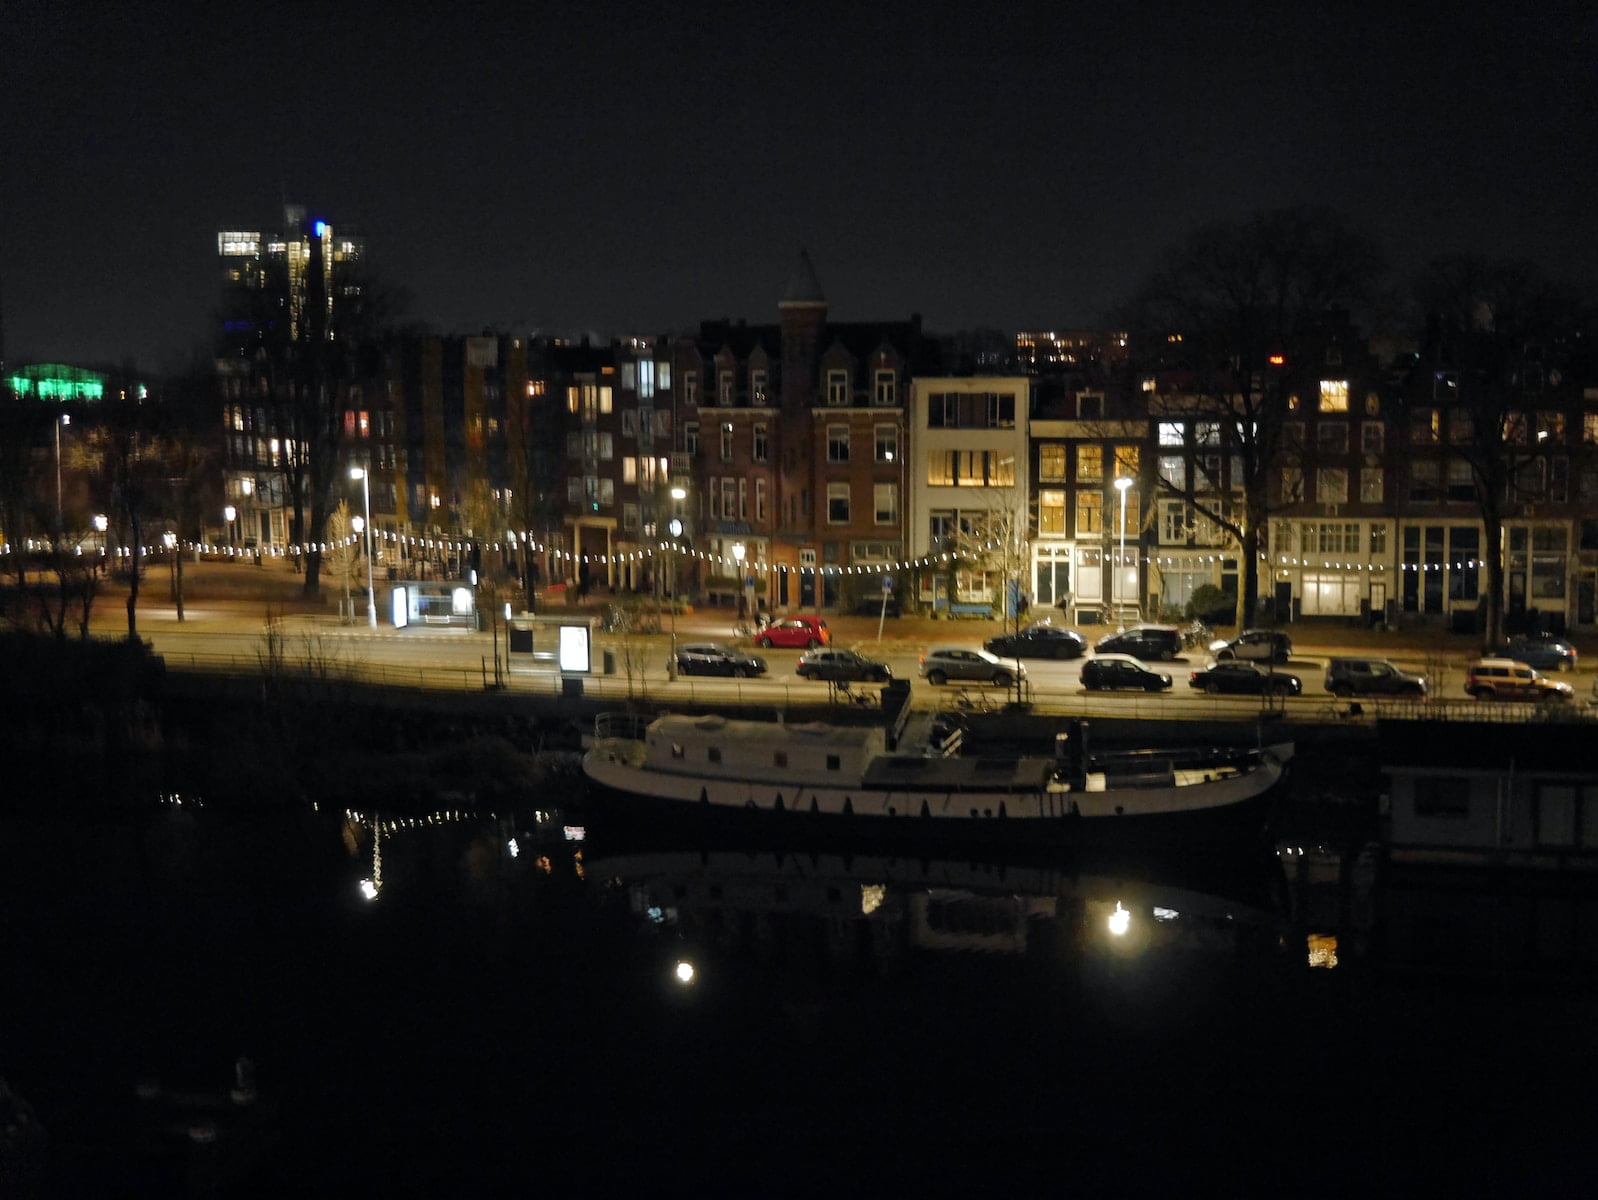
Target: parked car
x=943, y=663
x=707, y=658
x=1507, y=679
x=1038, y=641
x=842, y=666
x=801, y=632
x=1149, y=643
x=1107, y=671
x=1541, y=650
x=1371, y=677
x=1255, y=645
x=872, y=606
x=1248, y=678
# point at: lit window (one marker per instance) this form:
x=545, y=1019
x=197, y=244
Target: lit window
x=887, y=440
x=1334, y=395
x=885, y=503
x=1089, y=511
x=1051, y=512
x=1051, y=463
x=1089, y=463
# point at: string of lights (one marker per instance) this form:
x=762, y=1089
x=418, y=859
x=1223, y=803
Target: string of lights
x=651, y=553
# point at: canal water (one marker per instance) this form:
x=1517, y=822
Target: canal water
x=538, y=1001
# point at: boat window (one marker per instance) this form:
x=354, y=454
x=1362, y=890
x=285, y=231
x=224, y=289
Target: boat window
x=715, y=754
x=780, y=759
x=834, y=763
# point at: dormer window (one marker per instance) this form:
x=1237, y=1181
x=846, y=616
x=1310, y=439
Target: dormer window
x=887, y=389
x=837, y=388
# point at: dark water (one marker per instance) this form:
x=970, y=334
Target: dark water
x=856, y=1025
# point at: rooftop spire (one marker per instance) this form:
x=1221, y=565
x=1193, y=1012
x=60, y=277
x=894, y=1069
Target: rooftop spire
x=803, y=286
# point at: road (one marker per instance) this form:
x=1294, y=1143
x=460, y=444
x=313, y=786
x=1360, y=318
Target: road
x=233, y=638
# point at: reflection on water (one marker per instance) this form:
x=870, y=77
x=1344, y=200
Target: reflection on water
x=535, y=997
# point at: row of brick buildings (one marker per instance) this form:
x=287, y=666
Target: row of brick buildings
x=815, y=462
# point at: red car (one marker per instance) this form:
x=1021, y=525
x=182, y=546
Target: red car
x=806, y=633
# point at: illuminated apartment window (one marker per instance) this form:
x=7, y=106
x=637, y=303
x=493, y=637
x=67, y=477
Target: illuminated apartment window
x=940, y=468
x=1089, y=512
x=605, y=399
x=1001, y=468
x=757, y=388
x=1334, y=395
x=1051, y=463
x=1173, y=470
x=1051, y=512
x=885, y=503
x=629, y=469
x=1126, y=459
x=1424, y=426
x=1089, y=464
x=887, y=443
x=1172, y=433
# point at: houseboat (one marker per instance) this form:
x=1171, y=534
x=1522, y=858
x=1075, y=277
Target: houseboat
x=820, y=775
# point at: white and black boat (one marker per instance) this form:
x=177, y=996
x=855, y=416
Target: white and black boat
x=819, y=775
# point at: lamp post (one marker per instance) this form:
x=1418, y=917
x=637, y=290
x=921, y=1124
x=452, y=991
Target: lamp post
x=366, y=501
x=63, y=419
x=674, y=527
x=738, y=552
x=101, y=524
x=1121, y=485
x=231, y=515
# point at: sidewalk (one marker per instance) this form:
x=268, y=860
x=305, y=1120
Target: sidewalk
x=237, y=596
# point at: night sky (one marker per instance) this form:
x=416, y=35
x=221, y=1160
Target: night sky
x=637, y=168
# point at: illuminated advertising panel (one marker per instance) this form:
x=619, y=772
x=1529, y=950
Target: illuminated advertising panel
x=576, y=652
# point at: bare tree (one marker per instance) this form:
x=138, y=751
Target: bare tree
x=1229, y=308
x=1494, y=337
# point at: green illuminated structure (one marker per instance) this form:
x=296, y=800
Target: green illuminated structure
x=58, y=382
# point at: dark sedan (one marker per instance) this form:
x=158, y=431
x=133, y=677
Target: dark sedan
x=707, y=658
x=1037, y=641
x=1244, y=678
x=1543, y=651
x=842, y=666
x=1109, y=671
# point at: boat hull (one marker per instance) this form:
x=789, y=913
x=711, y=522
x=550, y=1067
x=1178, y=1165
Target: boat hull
x=1227, y=810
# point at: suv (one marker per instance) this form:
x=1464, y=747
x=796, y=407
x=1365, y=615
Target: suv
x=806, y=633
x=1371, y=677
x=842, y=666
x=943, y=663
x=1506, y=679
x=1148, y=642
x=1255, y=645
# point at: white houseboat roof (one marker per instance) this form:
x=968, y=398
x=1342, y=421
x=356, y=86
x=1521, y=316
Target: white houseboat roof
x=814, y=734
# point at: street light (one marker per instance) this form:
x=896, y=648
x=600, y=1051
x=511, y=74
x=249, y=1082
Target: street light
x=366, y=500
x=673, y=527
x=738, y=552
x=1121, y=485
x=230, y=515
x=64, y=419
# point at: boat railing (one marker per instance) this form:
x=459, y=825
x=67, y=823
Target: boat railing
x=620, y=725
